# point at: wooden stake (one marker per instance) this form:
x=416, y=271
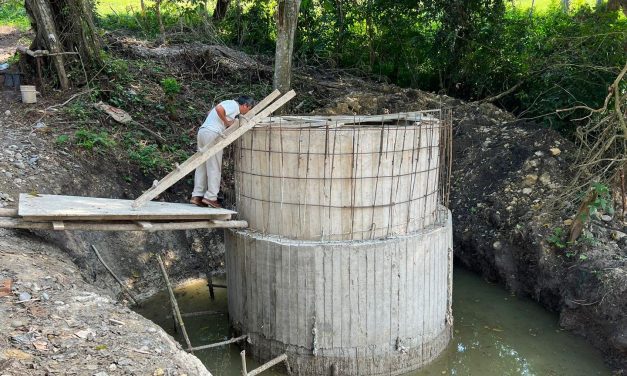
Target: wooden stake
x=126, y=291
x=175, y=304
x=210, y=284
x=242, y=355
x=223, y=343
x=271, y=363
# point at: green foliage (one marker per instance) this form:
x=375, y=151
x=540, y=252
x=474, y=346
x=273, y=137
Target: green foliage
x=170, y=86
x=90, y=140
x=116, y=69
x=13, y=13
x=556, y=238
x=62, y=139
x=151, y=158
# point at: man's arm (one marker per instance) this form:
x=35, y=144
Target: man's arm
x=222, y=115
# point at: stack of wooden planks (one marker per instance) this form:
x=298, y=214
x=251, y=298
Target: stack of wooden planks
x=56, y=212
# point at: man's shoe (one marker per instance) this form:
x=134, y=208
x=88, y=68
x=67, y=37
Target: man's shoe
x=212, y=203
x=197, y=200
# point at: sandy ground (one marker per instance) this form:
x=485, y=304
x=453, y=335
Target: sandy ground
x=10, y=38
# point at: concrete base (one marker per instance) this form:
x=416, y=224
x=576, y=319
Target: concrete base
x=353, y=308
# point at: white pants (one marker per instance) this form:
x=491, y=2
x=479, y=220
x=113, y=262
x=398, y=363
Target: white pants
x=208, y=175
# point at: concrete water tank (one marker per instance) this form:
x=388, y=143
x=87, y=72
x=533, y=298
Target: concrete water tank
x=346, y=265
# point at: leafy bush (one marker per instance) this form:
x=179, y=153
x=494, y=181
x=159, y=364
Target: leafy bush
x=13, y=13
x=89, y=140
x=170, y=86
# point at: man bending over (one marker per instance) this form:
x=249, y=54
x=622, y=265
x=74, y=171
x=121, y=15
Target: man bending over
x=208, y=175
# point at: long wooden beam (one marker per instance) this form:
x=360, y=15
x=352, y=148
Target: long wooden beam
x=6, y=222
x=243, y=125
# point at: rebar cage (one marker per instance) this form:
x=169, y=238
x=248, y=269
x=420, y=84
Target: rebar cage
x=344, y=177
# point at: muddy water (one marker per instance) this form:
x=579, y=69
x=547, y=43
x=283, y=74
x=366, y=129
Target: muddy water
x=495, y=334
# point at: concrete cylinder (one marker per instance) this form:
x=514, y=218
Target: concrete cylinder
x=344, y=183
x=347, y=262
x=380, y=307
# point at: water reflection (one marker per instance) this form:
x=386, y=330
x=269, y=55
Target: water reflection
x=495, y=334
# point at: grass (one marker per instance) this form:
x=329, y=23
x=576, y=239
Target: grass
x=106, y=7
x=12, y=13
x=544, y=5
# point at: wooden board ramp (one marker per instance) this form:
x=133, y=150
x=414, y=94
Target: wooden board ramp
x=261, y=111
x=76, y=208
x=75, y=213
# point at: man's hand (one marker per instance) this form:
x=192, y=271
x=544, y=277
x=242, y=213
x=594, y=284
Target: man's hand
x=228, y=123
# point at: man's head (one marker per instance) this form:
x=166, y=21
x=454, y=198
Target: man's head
x=245, y=104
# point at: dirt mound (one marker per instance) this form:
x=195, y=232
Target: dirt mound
x=67, y=326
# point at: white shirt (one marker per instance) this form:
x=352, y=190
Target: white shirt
x=213, y=121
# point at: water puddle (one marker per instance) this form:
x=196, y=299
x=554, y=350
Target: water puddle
x=496, y=334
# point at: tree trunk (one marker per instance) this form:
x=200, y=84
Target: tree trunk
x=62, y=27
x=160, y=20
x=565, y=6
x=370, y=31
x=220, y=11
x=287, y=19
x=47, y=37
x=614, y=5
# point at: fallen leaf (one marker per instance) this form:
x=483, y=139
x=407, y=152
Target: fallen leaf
x=17, y=354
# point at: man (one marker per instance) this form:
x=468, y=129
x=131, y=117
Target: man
x=208, y=175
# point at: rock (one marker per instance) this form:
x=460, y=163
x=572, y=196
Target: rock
x=18, y=181
x=158, y=372
x=20, y=165
x=40, y=125
x=124, y=362
x=539, y=153
x=530, y=180
x=497, y=245
x=618, y=235
x=555, y=151
x=527, y=191
x=33, y=160
x=151, y=330
x=84, y=334
x=8, y=175
x=7, y=113
x=606, y=218
x=25, y=296
x=545, y=179
x=45, y=296
x=101, y=373
x=568, y=222
x=17, y=323
x=112, y=367
x=18, y=156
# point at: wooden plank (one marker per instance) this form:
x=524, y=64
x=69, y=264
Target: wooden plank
x=54, y=207
x=243, y=125
x=120, y=225
x=201, y=156
x=58, y=226
x=5, y=212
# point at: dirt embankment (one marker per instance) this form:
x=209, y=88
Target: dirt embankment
x=54, y=322
x=509, y=181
